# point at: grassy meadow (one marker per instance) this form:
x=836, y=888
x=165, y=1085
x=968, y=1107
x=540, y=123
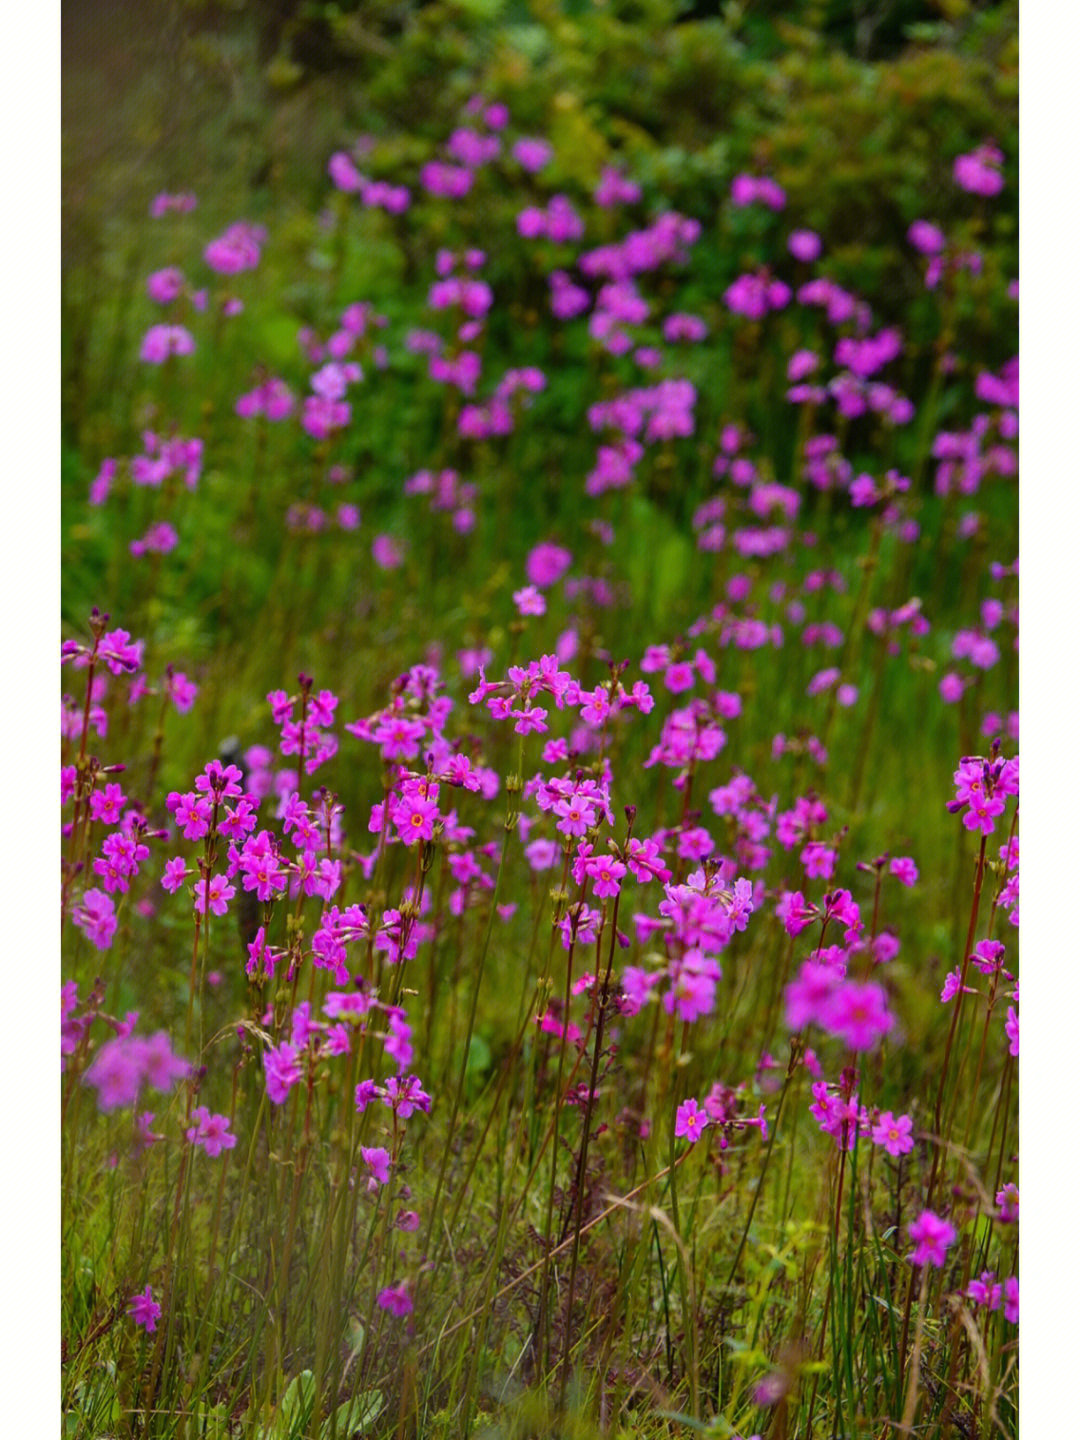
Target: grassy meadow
x=539, y=731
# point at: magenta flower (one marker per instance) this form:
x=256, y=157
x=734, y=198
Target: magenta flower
x=377, y=1160
x=858, y=1014
x=531, y=154
x=804, y=244
x=404, y=1096
x=546, y=564
x=386, y=552
x=415, y=818
x=220, y=893
x=984, y=1291
x=606, y=873
x=161, y=341
x=576, y=815
x=893, y=1132
x=162, y=204
x=239, y=248
x=933, y=1236
x=107, y=805
x=283, y=1070
x=96, y=918
x=344, y=174
x=904, y=868
x=396, y=1299
x=159, y=1065
x=690, y=1121
x=164, y=286
x=1007, y=1201
x=980, y=172
x=210, y=1131
x=145, y=1310
x=926, y=238
x=529, y=601
x=1012, y=1030
x=116, y=1075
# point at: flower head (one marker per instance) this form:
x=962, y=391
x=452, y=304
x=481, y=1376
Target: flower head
x=145, y=1310
x=932, y=1235
x=690, y=1121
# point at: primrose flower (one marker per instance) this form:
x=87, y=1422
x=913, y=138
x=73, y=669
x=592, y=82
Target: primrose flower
x=893, y=1132
x=933, y=1236
x=396, y=1299
x=219, y=892
x=804, y=245
x=980, y=172
x=239, y=248
x=161, y=341
x=546, y=564
x=531, y=154
x=96, y=918
x=690, y=1121
x=145, y=1310
x=283, y=1070
x=529, y=601
x=210, y=1131
x=858, y=1014
x=984, y=1291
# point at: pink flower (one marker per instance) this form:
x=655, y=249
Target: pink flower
x=415, y=818
x=858, y=1014
x=396, y=1299
x=904, y=868
x=386, y=552
x=529, y=601
x=237, y=249
x=344, y=174
x=926, y=238
x=210, y=1131
x=804, y=244
x=980, y=172
x=576, y=816
x=690, y=1121
x=182, y=691
x=282, y=1067
x=1007, y=1201
x=606, y=874
x=145, y=1310
x=546, y=564
x=176, y=873
x=932, y=1236
x=161, y=341
x=819, y=860
x=116, y=1074
x=530, y=154
x=163, y=203
x=377, y=1161
x=96, y=918
x=163, y=286
x=220, y=893
x=809, y=996
x=893, y=1132
x=107, y=805
x=984, y=1291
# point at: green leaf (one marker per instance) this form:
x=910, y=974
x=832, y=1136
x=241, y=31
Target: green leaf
x=479, y=1056
x=296, y=1403
x=352, y=1415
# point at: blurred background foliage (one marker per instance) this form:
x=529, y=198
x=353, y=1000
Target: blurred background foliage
x=857, y=109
